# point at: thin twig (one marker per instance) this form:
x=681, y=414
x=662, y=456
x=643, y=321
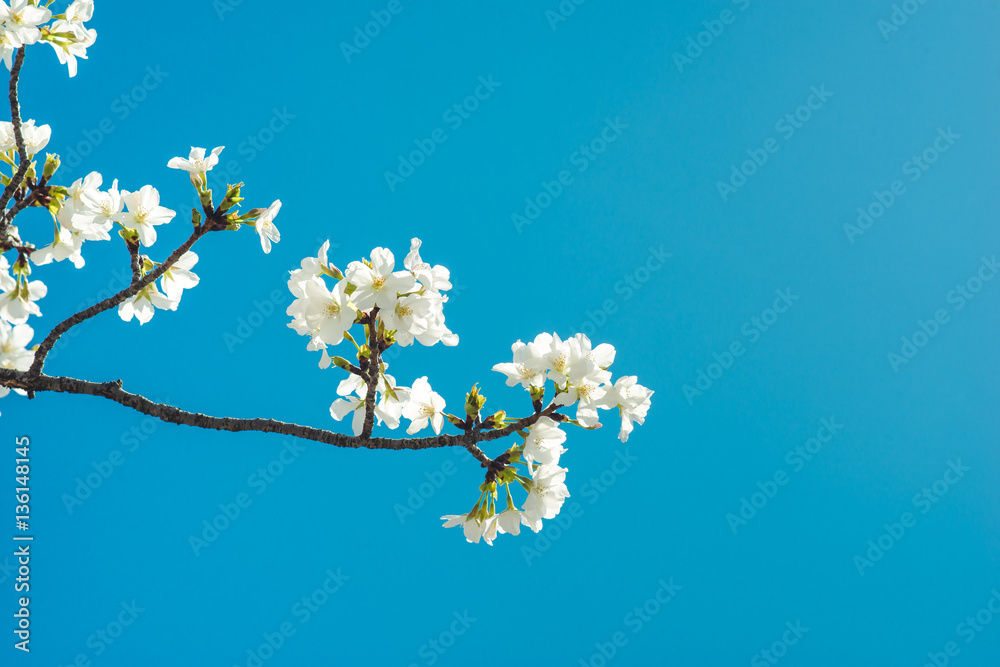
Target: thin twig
x=46, y=345
x=22, y=152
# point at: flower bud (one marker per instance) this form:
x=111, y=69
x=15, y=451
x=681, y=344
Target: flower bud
x=340, y=362
x=21, y=266
x=455, y=421
x=51, y=164
x=232, y=198
x=130, y=235
x=474, y=402
x=198, y=181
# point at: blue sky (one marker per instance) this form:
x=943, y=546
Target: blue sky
x=628, y=118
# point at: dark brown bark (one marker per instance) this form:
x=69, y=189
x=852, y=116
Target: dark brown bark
x=46, y=345
x=15, y=118
x=114, y=391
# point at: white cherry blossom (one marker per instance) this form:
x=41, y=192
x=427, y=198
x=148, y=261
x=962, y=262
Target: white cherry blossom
x=326, y=311
x=22, y=19
x=425, y=406
x=266, y=228
x=196, y=162
x=632, y=401
x=179, y=277
x=9, y=43
x=94, y=216
x=65, y=245
x=18, y=302
x=144, y=304
x=408, y=318
x=547, y=495
x=526, y=369
x=7, y=281
x=35, y=137
x=378, y=284
x=585, y=387
x=509, y=521
x=143, y=213
x=14, y=341
x=70, y=39
x=544, y=442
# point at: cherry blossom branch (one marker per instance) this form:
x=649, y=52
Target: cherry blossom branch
x=133, y=251
x=114, y=392
x=46, y=345
x=39, y=192
x=20, y=205
x=374, y=368
x=22, y=152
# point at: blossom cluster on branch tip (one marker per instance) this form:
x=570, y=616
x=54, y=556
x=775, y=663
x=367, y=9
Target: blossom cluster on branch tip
x=410, y=302
x=82, y=212
x=26, y=22
x=393, y=307
x=372, y=304
x=397, y=307
x=579, y=375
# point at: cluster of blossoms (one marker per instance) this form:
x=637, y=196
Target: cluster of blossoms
x=82, y=211
x=399, y=307
x=392, y=306
x=581, y=377
x=24, y=23
x=579, y=373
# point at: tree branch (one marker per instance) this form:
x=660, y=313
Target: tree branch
x=114, y=392
x=374, y=368
x=22, y=152
x=46, y=346
x=21, y=204
x=133, y=251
